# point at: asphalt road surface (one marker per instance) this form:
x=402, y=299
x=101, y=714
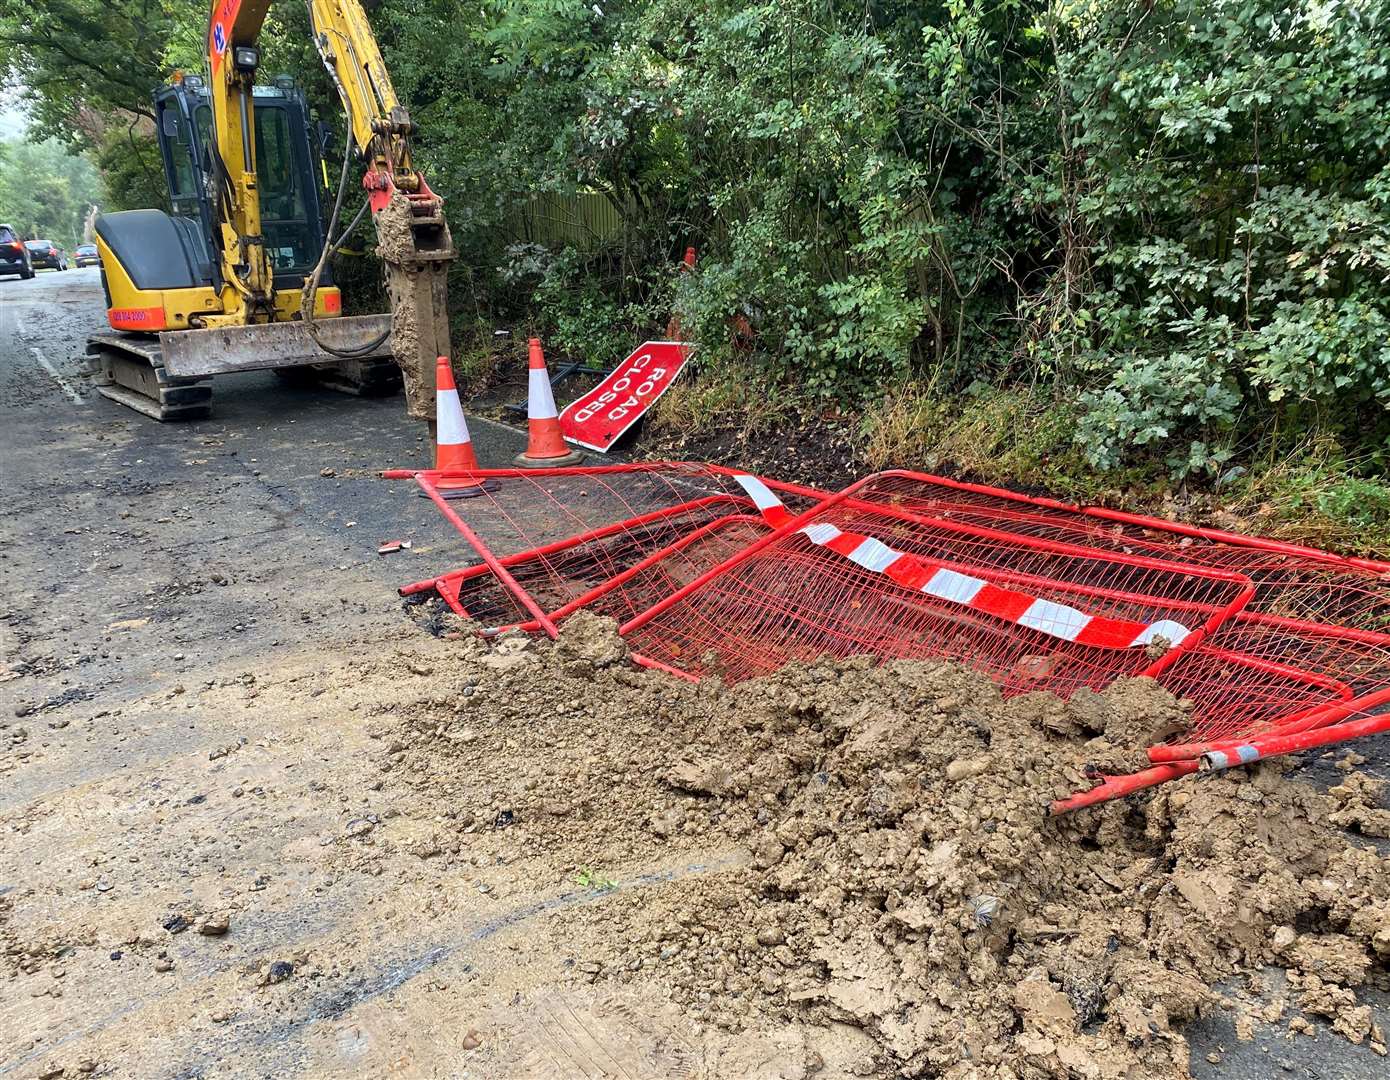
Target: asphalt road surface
x=137, y=557
x=107, y=515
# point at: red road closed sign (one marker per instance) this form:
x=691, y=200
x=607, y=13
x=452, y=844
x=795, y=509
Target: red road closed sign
x=599, y=418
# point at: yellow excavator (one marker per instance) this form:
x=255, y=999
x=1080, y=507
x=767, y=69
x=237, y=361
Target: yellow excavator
x=235, y=276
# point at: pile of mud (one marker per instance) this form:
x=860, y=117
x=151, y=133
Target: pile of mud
x=898, y=870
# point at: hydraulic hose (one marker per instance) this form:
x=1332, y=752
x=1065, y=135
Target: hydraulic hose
x=311, y=283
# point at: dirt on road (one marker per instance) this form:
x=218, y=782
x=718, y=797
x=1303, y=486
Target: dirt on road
x=582, y=868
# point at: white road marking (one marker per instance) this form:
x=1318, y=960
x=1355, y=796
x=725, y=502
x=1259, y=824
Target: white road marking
x=67, y=386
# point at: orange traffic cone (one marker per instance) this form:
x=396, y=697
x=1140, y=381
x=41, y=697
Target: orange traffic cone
x=453, y=449
x=673, y=326
x=545, y=445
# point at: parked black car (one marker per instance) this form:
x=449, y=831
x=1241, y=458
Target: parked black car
x=14, y=256
x=86, y=255
x=45, y=253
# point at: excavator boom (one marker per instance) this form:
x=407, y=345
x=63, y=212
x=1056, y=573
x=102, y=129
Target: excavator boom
x=412, y=235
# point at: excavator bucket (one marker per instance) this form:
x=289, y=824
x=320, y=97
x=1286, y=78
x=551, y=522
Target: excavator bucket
x=195, y=354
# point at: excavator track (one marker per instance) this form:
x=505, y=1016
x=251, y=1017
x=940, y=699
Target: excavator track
x=363, y=378
x=133, y=369
x=370, y=377
x=130, y=371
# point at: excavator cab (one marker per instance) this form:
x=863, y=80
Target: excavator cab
x=291, y=221
x=163, y=268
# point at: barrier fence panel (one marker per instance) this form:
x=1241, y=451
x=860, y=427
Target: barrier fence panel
x=715, y=573
x=612, y=538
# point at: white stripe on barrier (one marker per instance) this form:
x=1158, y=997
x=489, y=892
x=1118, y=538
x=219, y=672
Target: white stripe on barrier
x=1055, y=619
x=1058, y=620
x=873, y=555
x=822, y=532
x=948, y=585
x=1226, y=759
x=450, y=426
x=759, y=492
x=540, y=402
x=1170, y=631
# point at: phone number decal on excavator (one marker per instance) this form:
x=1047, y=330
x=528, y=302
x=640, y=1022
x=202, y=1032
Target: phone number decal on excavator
x=136, y=318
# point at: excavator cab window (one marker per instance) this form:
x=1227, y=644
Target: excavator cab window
x=181, y=152
x=202, y=116
x=282, y=175
x=178, y=153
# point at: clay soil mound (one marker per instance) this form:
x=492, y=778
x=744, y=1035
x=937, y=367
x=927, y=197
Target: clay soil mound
x=889, y=866
x=438, y=856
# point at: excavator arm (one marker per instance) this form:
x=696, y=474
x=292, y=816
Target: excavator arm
x=412, y=234
x=233, y=59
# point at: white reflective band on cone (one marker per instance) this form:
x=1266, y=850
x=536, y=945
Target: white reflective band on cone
x=450, y=427
x=540, y=402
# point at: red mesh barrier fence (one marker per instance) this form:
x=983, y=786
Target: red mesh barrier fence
x=824, y=604
x=613, y=539
x=712, y=573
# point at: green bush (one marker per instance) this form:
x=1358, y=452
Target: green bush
x=1175, y=401
x=579, y=316
x=1173, y=218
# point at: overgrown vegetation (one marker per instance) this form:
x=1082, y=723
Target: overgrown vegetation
x=1080, y=244
x=1111, y=242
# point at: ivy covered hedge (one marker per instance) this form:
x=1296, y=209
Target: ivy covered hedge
x=1174, y=215
x=1170, y=217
